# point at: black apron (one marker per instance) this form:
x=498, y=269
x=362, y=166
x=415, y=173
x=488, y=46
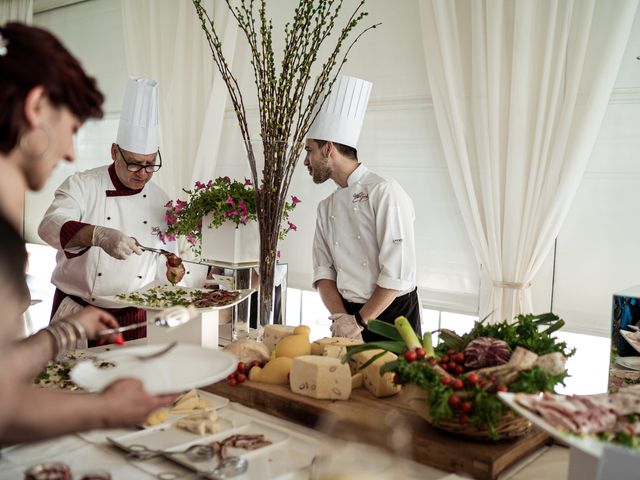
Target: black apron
x=406, y=305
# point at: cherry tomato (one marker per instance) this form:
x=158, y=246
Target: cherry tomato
x=231, y=376
x=241, y=377
x=445, y=380
x=420, y=353
x=454, y=401
x=432, y=361
x=458, y=357
x=241, y=367
x=457, y=384
x=502, y=388
x=232, y=381
x=451, y=351
x=459, y=369
x=445, y=359
x=466, y=407
x=410, y=356
x=473, y=378
x=445, y=367
x=452, y=366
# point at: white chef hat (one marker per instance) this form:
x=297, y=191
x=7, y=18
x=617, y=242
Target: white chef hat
x=138, y=131
x=341, y=116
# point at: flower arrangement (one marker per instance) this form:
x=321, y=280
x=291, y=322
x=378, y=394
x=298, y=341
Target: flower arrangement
x=289, y=94
x=226, y=200
x=455, y=385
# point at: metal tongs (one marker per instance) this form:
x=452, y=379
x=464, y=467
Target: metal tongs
x=161, y=251
x=168, y=318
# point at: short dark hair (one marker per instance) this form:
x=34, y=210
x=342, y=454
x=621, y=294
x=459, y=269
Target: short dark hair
x=34, y=57
x=345, y=150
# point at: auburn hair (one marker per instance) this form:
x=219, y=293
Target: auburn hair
x=34, y=57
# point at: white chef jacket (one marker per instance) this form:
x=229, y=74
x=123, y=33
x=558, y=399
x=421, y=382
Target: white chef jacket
x=364, y=237
x=96, y=197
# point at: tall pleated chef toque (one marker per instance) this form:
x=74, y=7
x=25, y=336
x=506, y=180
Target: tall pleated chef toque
x=341, y=116
x=139, y=128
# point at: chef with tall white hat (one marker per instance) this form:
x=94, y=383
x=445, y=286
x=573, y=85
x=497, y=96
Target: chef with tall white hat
x=364, y=262
x=112, y=207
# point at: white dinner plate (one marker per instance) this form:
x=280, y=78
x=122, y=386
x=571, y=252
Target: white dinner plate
x=181, y=369
x=588, y=445
x=111, y=301
x=633, y=338
x=632, y=363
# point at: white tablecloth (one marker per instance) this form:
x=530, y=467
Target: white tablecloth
x=91, y=451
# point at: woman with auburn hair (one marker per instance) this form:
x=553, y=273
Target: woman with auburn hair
x=45, y=97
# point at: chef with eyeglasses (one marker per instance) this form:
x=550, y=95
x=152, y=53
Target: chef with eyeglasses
x=113, y=208
x=364, y=258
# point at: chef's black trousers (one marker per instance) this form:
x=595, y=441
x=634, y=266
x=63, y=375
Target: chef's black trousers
x=406, y=305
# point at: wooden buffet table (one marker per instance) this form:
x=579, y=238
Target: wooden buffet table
x=364, y=415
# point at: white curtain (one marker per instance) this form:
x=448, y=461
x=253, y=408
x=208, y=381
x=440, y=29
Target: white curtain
x=519, y=90
x=164, y=41
x=16, y=11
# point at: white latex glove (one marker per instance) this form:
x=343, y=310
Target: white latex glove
x=114, y=242
x=345, y=325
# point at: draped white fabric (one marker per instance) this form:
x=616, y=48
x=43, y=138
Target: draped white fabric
x=16, y=11
x=164, y=40
x=519, y=90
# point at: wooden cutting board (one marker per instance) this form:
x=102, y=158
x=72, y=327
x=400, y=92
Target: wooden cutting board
x=365, y=415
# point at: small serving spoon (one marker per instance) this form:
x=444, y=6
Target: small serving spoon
x=195, y=453
x=168, y=318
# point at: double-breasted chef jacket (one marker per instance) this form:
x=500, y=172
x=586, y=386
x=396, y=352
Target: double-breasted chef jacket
x=98, y=197
x=365, y=238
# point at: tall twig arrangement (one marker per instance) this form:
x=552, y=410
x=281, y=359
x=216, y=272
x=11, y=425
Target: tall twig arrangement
x=288, y=100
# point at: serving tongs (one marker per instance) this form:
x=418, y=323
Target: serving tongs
x=161, y=251
x=168, y=318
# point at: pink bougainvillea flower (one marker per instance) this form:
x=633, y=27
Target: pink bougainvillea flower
x=209, y=183
x=230, y=200
x=292, y=226
x=180, y=204
x=247, y=182
x=170, y=218
x=243, y=208
x=191, y=239
x=227, y=179
x=171, y=237
x=169, y=204
x=231, y=213
x=295, y=200
x=200, y=185
x=278, y=254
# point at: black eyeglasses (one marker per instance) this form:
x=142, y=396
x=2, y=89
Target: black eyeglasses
x=136, y=167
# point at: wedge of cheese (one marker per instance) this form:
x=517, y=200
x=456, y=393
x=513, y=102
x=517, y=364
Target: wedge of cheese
x=188, y=402
x=272, y=334
x=378, y=385
x=156, y=417
x=319, y=346
x=356, y=380
x=200, y=423
x=320, y=377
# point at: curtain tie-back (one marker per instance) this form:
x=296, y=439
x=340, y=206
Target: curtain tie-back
x=512, y=285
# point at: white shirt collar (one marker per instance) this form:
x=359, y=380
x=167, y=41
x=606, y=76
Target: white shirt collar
x=356, y=175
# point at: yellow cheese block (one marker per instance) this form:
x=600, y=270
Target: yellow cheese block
x=276, y=372
x=318, y=347
x=272, y=334
x=378, y=385
x=156, y=417
x=320, y=377
x=293, y=346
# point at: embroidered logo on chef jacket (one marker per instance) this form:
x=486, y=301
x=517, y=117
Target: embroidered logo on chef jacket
x=360, y=197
